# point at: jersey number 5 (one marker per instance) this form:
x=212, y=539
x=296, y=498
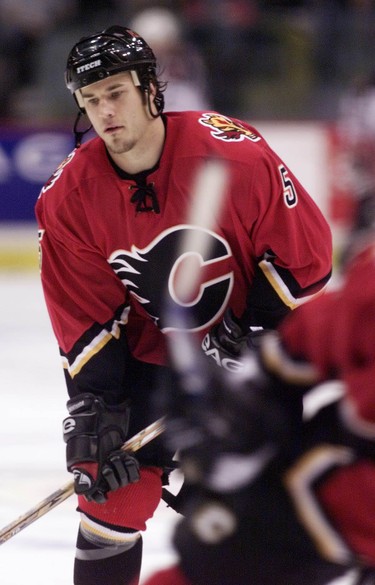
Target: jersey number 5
x=289, y=191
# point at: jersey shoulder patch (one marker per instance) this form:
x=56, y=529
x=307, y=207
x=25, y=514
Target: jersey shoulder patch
x=227, y=129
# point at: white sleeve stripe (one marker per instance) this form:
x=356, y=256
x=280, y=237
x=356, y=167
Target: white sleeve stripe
x=299, y=480
x=96, y=345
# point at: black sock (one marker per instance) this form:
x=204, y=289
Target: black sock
x=119, y=567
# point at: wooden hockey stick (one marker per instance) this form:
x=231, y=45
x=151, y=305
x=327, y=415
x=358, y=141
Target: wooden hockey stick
x=133, y=444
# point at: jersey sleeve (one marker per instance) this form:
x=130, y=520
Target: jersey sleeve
x=337, y=333
x=88, y=305
x=292, y=244
x=79, y=286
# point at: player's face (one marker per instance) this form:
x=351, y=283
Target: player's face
x=118, y=113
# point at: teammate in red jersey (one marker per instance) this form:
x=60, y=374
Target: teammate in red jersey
x=309, y=519
x=110, y=219
x=337, y=335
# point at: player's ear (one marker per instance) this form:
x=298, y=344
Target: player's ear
x=152, y=88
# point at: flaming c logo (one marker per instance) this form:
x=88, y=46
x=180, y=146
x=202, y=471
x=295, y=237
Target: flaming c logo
x=149, y=274
x=226, y=129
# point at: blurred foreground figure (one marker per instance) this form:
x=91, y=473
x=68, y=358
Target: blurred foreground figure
x=273, y=499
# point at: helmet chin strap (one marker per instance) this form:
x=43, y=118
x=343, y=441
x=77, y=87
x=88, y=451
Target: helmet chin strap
x=79, y=100
x=79, y=134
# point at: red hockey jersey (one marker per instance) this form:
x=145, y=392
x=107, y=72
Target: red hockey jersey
x=337, y=334
x=271, y=250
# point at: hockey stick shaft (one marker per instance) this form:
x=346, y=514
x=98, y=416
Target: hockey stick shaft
x=208, y=196
x=206, y=208
x=133, y=444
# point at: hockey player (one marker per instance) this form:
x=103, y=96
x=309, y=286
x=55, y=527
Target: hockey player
x=307, y=512
x=110, y=218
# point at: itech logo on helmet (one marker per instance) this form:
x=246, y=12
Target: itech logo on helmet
x=226, y=129
x=89, y=66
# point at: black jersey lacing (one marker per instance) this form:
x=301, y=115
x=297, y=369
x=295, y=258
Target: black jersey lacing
x=140, y=197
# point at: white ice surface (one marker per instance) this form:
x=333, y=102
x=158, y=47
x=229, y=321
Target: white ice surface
x=32, y=453
x=32, y=459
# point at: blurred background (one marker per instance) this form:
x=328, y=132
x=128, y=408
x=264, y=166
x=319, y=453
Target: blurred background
x=262, y=58
x=301, y=71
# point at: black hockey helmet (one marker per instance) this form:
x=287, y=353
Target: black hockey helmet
x=108, y=52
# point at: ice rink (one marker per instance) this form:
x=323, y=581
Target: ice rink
x=32, y=455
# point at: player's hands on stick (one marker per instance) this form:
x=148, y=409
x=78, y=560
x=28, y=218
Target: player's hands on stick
x=94, y=433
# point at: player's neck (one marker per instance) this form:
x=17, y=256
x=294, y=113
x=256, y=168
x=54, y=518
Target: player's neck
x=146, y=153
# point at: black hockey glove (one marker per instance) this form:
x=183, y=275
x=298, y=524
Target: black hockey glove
x=94, y=433
x=227, y=341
